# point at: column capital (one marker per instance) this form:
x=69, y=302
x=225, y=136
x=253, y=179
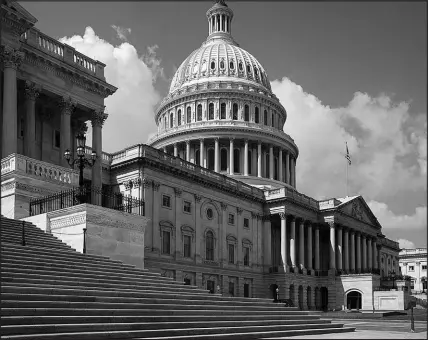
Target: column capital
x=10, y=57
x=223, y=206
x=231, y=139
x=254, y=215
x=246, y=140
x=216, y=139
x=146, y=182
x=198, y=198
x=98, y=117
x=156, y=185
x=136, y=182
x=175, y=143
x=178, y=192
x=67, y=105
x=201, y=140
x=282, y=216
x=239, y=210
x=32, y=90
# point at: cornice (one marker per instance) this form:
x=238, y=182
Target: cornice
x=43, y=60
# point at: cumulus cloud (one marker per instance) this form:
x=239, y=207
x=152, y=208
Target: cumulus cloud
x=406, y=244
x=151, y=60
x=385, y=159
x=121, y=32
x=131, y=108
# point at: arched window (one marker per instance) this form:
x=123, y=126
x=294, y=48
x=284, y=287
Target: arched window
x=171, y=120
x=189, y=115
x=231, y=65
x=250, y=157
x=265, y=118
x=236, y=160
x=199, y=112
x=211, y=111
x=255, y=71
x=222, y=64
x=267, y=166
x=248, y=68
x=223, y=160
x=223, y=111
x=211, y=159
x=235, y=111
x=179, y=117
x=273, y=119
x=246, y=113
x=209, y=245
x=256, y=118
x=241, y=66
x=212, y=65
x=197, y=157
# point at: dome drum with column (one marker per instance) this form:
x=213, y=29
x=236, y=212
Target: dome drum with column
x=222, y=91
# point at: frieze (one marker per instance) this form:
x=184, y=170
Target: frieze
x=68, y=221
x=106, y=221
x=8, y=186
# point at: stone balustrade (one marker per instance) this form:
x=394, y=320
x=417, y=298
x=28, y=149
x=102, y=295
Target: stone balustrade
x=292, y=194
x=212, y=124
x=63, y=52
x=44, y=170
x=105, y=157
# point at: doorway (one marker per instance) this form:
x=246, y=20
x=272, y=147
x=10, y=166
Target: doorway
x=354, y=300
x=324, y=298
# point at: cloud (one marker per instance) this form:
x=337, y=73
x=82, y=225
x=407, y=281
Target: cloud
x=385, y=161
x=151, y=60
x=131, y=108
x=390, y=220
x=406, y=244
x=121, y=32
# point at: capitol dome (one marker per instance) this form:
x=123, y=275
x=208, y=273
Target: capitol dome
x=220, y=112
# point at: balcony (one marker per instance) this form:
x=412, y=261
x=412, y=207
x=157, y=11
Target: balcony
x=36, y=39
x=19, y=164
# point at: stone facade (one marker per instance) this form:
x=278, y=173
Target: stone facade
x=413, y=262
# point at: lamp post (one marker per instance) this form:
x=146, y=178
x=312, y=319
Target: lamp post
x=81, y=160
x=392, y=274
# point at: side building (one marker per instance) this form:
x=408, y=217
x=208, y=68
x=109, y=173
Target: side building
x=413, y=262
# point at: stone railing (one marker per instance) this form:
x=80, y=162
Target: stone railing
x=146, y=151
x=33, y=167
x=63, y=52
x=389, y=243
x=105, y=156
x=291, y=194
x=209, y=124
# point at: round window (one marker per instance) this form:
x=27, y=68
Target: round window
x=210, y=213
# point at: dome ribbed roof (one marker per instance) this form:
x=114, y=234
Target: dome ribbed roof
x=219, y=60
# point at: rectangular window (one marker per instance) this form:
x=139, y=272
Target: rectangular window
x=231, y=253
x=232, y=288
x=166, y=201
x=57, y=139
x=186, y=243
x=231, y=219
x=187, y=207
x=210, y=286
x=246, y=223
x=411, y=268
x=246, y=256
x=424, y=267
x=166, y=242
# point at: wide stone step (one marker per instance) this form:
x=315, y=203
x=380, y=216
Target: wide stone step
x=102, y=291
x=32, y=242
x=58, y=253
x=89, y=273
x=147, y=333
x=160, y=299
x=129, y=293
x=38, y=320
x=29, y=235
x=70, y=311
x=120, y=326
x=136, y=305
x=43, y=263
x=97, y=285
x=86, y=278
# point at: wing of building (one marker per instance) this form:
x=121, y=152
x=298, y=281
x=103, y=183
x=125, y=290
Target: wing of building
x=218, y=180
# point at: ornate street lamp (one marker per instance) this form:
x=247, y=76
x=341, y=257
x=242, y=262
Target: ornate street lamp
x=392, y=274
x=81, y=160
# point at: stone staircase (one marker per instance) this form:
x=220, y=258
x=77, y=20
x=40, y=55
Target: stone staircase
x=50, y=291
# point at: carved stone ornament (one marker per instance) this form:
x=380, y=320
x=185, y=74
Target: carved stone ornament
x=156, y=186
x=198, y=198
x=178, y=192
x=223, y=206
x=128, y=185
x=67, y=105
x=10, y=57
x=98, y=118
x=146, y=182
x=357, y=211
x=283, y=216
x=239, y=210
x=136, y=182
x=32, y=91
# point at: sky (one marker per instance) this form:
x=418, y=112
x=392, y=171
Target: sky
x=344, y=71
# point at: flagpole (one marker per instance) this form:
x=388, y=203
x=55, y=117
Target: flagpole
x=347, y=169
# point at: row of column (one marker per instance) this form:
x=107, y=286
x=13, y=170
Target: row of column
x=286, y=161
x=11, y=61
x=219, y=23
x=354, y=251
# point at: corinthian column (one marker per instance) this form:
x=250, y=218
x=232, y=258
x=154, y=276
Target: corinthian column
x=346, y=249
x=339, y=248
x=98, y=119
x=364, y=253
x=280, y=167
x=11, y=60
x=309, y=246
x=201, y=152
x=317, y=247
x=358, y=246
x=332, y=246
x=352, y=264
x=67, y=107
x=284, y=256
x=292, y=242
x=259, y=159
x=271, y=162
x=246, y=157
x=188, y=150
x=31, y=94
x=231, y=168
x=287, y=167
x=216, y=155
x=369, y=253
x=302, y=244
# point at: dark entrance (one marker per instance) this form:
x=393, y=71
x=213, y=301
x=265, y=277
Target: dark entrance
x=273, y=288
x=353, y=300
x=324, y=298
x=187, y=281
x=210, y=286
x=246, y=290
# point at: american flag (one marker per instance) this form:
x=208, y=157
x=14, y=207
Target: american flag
x=348, y=157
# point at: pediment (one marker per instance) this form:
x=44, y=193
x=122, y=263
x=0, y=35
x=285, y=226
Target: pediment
x=23, y=13
x=358, y=209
